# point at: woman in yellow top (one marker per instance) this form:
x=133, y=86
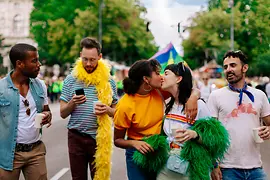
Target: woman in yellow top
x=139, y=113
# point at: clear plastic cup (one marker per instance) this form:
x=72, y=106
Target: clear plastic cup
x=94, y=105
x=256, y=136
x=38, y=119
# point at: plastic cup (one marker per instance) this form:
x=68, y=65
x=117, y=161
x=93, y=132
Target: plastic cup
x=38, y=120
x=174, y=129
x=94, y=105
x=256, y=136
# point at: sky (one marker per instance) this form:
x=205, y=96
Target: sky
x=164, y=16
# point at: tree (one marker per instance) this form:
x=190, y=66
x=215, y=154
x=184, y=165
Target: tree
x=51, y=10
x=261, y=65
x=124, y=36
x=209, y=36
x=210, y=30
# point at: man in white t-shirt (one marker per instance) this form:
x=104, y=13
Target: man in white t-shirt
x=205, y=87
x=240, y=108
x=267, y=90
x=22, y=96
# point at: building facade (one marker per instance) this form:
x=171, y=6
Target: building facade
x=14, y=25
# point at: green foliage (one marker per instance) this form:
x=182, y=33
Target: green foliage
x=260, y=66
x=210, y=31
x=58, y=28
x=51, y=10
x=209, y=34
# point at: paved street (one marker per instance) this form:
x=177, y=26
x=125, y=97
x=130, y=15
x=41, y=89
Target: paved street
x=55, y=139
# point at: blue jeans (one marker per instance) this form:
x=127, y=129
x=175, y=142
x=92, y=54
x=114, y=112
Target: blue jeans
x=243, y=174
x=134, y=172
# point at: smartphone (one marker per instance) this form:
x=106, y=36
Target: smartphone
x=79, y=91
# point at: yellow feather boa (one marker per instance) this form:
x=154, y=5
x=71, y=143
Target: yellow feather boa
x=100, y=79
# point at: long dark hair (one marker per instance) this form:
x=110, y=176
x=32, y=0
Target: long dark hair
x=136, y=73
x=184, y=87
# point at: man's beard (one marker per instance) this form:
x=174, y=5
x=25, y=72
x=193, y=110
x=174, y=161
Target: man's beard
x=234, y=80
x=90, y=70
x=29, y=75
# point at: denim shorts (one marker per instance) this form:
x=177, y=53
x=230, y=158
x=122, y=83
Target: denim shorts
x=134, y=172
x=243, y=174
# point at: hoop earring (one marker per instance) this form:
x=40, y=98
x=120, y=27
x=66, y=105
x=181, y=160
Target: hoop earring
x=147, y=90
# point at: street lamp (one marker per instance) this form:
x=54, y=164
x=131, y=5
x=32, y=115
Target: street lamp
x=100, y=21
x=231, y=4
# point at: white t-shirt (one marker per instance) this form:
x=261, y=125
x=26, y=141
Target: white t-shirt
x=267, y=89
x=27, y=133
x=205, y=90
x=243, y=153
x=173, y=118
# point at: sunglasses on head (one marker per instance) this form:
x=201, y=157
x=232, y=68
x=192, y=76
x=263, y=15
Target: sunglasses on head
x=26, y=104
x=183, y=66
x=238, y=52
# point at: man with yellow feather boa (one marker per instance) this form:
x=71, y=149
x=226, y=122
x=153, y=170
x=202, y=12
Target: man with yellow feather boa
x=90, y=126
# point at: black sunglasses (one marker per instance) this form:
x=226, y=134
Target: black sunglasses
x=26, y=104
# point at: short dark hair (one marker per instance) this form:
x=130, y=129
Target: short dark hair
x=19, y=52
x=237, y=54
x=90, y=43
x=136, y=73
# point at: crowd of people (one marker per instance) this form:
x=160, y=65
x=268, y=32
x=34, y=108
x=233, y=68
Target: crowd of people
x=54, y=87
x=206, y=131
x=207, y=85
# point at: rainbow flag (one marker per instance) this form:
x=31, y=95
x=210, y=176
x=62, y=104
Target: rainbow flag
x=167, y=56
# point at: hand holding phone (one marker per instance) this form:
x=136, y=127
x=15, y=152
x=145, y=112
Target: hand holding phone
x=79, y=98
x=79, y=91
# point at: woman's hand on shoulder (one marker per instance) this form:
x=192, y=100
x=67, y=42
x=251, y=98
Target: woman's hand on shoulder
x=191, y=107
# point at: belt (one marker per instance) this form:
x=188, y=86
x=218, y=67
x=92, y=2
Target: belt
x=26, y=147
x=75, y=131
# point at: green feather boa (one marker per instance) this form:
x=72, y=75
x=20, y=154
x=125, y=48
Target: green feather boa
x=156, y=160
x=215, y=142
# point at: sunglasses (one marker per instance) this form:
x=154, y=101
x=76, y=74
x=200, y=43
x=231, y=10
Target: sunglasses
x=26, y=104
x=237, y=51
x=183, y=66
x=204, y=78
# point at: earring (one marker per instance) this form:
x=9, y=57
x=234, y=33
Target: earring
x=147, y=90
